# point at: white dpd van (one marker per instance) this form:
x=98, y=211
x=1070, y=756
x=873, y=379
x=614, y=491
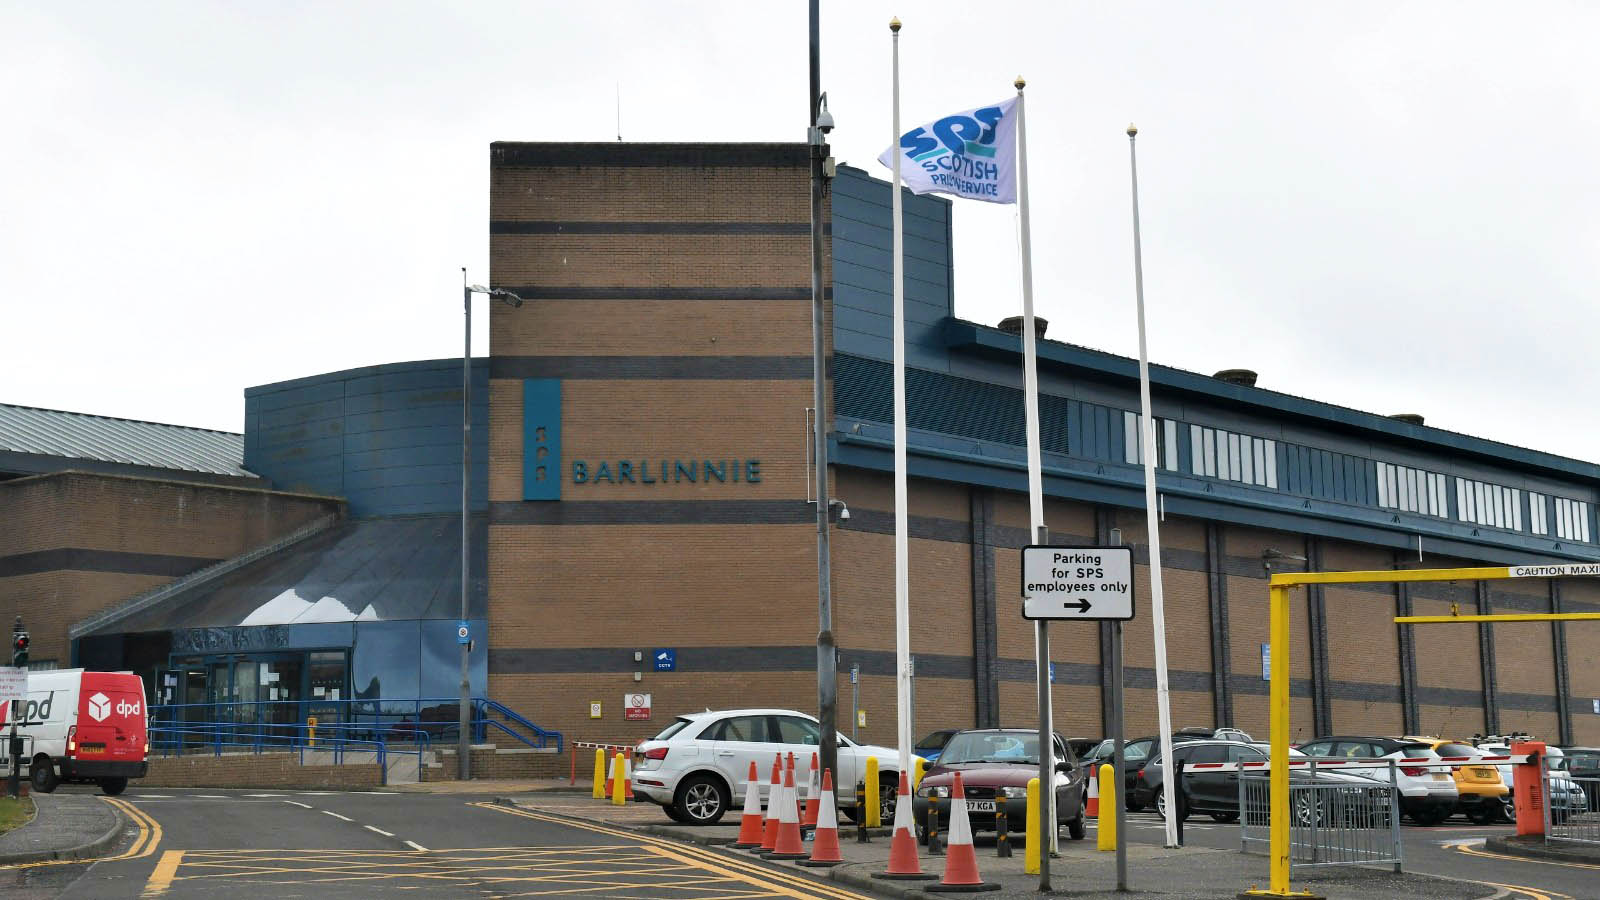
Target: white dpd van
x=79, y=726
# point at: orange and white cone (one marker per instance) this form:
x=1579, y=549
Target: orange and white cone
x=1093, y=808
x=789, y=845
x=813, y=790
x=903, y=862
x=611, y=775
x=769, y=832
x=750, y=823
x=961, y=860
x=825, y=843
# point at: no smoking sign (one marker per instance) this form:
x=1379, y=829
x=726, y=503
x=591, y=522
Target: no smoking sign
x=635, y=706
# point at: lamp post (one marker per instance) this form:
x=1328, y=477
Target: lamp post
x=464, y=739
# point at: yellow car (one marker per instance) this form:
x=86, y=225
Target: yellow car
x=1482, y=791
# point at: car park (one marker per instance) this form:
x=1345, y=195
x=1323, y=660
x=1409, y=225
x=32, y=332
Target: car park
x=928, y=748
x=1427, y=795
x=1481, y=793
x=995, y=766
x=698, y=767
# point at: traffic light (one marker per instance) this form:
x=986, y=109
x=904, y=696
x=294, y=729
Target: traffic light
x=19, y=650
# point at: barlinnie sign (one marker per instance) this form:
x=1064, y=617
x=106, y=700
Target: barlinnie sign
x=1088, y=583
x=635, y=706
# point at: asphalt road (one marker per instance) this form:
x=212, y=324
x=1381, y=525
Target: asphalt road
x=1451, y=850
x=288, y=844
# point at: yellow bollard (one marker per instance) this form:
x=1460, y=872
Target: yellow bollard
x=599, y=774
x=919, y=768
x=874, y=804
x=619, y=783
x=1108, y=808
x=1030, y=855
x=311, y=731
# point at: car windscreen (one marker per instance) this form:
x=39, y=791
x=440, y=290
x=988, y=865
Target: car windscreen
x=1451, y=748
x=992, y=747
x=672, y=729
x=933, y=741
x=1412, y=751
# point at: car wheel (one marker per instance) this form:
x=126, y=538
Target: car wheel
x=1133, y=805
x=1427, y=818
x=701, y=800
x=1225, y=817
x=888, y=790
x=1480, y=815
x=1508, y=809
x=671, y=809
x=43, y=775
x=113, y=786
x=1307, y=812
x=1161, y=806
x=1076, y=829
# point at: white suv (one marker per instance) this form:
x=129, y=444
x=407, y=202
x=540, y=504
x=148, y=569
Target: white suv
x=699, y=766
x=1427, y=794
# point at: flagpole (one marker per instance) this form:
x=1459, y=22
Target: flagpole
x=1037, y=534
x=1152, y=513
x=902, y=553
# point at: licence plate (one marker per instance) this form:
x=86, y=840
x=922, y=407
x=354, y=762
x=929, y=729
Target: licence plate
x=91, y=748
x=1440, y=776
x=1483, y=773
x=981, y=805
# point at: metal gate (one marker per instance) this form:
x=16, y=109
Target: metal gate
x=1571, y=806
x=1331, y=823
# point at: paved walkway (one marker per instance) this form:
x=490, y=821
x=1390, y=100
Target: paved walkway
x=65, y=826
x=1188, y=873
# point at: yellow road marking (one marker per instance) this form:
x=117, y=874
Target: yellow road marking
x=1473, y=851
x=161, y=878
x=820, y=888
x=729, y=873
x=143, y=845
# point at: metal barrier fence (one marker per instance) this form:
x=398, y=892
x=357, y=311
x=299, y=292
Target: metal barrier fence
x=1331, y=823
x=1571, y=807
x=217, y=738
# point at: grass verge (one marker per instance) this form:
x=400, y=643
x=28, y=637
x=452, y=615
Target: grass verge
x=15, y=813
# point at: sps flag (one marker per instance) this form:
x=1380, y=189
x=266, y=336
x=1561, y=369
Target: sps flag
x=970, y=154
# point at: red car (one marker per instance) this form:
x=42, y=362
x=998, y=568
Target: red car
x=996, y=765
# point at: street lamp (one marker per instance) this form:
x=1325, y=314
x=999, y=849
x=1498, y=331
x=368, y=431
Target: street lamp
x=464, y=739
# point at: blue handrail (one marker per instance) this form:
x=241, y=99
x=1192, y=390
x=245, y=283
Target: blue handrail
x=172, y=740
x=541, y=737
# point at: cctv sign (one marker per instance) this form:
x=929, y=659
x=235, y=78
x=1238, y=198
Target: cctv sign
x=1087, y=583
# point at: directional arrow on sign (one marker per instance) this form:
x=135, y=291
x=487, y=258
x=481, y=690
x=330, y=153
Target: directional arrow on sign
x=1082, y=605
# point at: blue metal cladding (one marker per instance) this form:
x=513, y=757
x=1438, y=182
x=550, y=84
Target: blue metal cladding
x=541, y=439
x=386, y=438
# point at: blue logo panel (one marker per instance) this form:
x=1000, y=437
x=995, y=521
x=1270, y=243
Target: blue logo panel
x=541, y=439
x=666, y=659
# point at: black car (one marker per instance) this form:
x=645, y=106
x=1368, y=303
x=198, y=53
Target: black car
x=1134, y=754
x=1216, y=793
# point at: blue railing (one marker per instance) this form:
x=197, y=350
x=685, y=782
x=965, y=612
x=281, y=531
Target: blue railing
x=218, y=738
x=413, y=720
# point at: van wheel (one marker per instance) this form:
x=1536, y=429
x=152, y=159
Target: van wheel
x=113, y=786
x=43, y=775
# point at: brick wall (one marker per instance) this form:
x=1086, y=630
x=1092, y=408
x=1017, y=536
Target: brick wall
x=261, y=770
x=103, y=538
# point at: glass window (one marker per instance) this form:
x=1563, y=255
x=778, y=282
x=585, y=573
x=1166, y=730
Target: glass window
x=677, y=726
x=1138, y=750
x=387, y=666
x=1204, y=753
x=798, y=731
x=742, y=728
x=1352, y=749
x=992, y=746
x=1242, y=753
x=1537, y=522
x=934, y=741
x=1169, y=429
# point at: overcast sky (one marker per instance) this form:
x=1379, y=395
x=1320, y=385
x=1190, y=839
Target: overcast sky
x=1390, y=206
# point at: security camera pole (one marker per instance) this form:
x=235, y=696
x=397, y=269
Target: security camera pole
x=827, y=653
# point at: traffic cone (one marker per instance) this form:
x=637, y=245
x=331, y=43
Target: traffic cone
x=813, y=788
x=961, y=861
x=1093, y=809
x=611, y=774
x=769, y=832
x=789, y=845
x=750, y=822
x=903, y=862
x=825, y=841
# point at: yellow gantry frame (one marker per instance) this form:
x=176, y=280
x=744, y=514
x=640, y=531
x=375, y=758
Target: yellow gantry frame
x=1278, y=587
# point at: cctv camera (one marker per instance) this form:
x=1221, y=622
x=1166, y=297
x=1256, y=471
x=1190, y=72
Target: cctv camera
x=824, y=118
x=844, y=513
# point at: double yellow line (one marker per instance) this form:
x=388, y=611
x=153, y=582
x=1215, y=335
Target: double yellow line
x=143, y=845
x=722, y=863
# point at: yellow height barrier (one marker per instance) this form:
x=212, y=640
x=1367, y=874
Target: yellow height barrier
x=1278, y=588
x=1107, y=836
x=311, y=731
x=919, y=768
x=599, y=774
x=872, y=799
x=1030, y=853
x=619, y=782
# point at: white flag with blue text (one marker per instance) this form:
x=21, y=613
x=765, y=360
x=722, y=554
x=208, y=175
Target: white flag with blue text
x=970, y=154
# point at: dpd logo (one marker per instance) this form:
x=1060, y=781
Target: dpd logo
x=99, y=707
x=36, y=710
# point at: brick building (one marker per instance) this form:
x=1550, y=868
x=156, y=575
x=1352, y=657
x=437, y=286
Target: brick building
x=645, y=485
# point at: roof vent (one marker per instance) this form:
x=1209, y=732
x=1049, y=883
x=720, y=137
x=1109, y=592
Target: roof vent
x=1409, y=418
x=1243, y=377
x=1013, y=325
